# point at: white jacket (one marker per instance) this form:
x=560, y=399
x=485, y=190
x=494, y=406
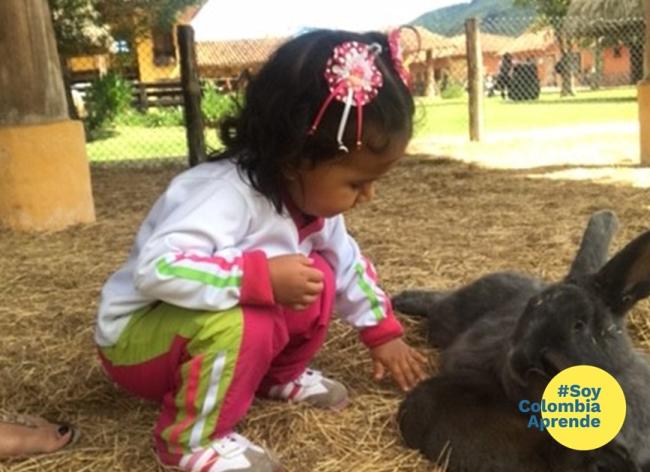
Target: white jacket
x=204, y=245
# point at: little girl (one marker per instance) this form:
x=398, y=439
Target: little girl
x=230, y=286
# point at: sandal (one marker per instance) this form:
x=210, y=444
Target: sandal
x=24, y=435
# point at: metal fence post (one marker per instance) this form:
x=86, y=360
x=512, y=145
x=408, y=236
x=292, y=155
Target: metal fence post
x=191, y=95
x=475, y=79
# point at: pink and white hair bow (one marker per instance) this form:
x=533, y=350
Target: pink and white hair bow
x=353, y=78
x=397, y=53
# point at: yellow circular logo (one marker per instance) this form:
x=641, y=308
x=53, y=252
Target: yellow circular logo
x=583, y=407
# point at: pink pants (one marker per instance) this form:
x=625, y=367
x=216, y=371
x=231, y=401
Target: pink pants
x=206, y=367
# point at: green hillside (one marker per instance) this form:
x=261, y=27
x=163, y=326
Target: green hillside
x=497, y=16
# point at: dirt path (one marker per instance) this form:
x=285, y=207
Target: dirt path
x=606, y=153
x=597, y=144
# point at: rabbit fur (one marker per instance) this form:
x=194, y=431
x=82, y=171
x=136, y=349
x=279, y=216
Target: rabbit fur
x=505, y=335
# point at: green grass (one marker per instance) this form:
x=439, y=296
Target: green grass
x=136, y=142
x=435, y=117
x=450, y=117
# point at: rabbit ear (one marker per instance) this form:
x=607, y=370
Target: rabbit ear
x=625, y=279
x=594, y=246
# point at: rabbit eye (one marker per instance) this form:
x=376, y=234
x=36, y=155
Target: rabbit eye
x=579, y=325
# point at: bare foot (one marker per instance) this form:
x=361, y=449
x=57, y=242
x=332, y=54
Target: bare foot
x=32, y=435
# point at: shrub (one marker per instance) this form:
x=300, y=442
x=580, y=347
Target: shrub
x=106, y=97
x=152, y=118
x=216, y=105
x=452, y=90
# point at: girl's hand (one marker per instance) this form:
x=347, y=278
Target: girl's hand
x=294, y=280
x=404, y=363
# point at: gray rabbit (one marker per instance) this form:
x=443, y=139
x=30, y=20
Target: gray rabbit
x=504, y=336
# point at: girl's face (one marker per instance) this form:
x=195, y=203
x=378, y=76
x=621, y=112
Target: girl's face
x=337, y=185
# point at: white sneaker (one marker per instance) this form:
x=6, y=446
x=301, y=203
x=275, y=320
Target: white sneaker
x=231, y=453
x=312, y=387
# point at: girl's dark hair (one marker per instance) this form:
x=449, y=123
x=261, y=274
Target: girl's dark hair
x=270, y=134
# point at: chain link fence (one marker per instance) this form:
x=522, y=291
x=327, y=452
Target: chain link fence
x=130, y=100
x=564, y=72
x=561, y=65
x=565, y=55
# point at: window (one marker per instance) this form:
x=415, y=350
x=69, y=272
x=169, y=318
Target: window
x=164, y=49
x=121, y=46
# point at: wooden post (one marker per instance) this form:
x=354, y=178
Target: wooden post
x=73, y=112
x=191, y=95
x=143, y=100
x=646, y=57
x=44, y=172
x=30, y=92
x=429, y=76
x=643, y=93
x=475, y=79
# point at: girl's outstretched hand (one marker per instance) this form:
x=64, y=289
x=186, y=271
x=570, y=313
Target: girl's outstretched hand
x=405, y=364
x=295, y=282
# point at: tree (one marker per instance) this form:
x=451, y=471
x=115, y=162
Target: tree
x=607, y=8
x=610, y=23
x=92, y=26
x=83, y=26
x=130, y=19
x=78, y=27
x=552, y=13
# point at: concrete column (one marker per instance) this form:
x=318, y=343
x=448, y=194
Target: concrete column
x=44, y=172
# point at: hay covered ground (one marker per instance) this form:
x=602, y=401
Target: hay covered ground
x=435, y=223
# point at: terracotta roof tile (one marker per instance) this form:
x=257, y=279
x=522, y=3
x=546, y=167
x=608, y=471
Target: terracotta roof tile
x=236, y=53
x=530, y=41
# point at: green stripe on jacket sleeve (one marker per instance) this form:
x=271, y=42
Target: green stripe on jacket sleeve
x=370, y=294
x=207, y=278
